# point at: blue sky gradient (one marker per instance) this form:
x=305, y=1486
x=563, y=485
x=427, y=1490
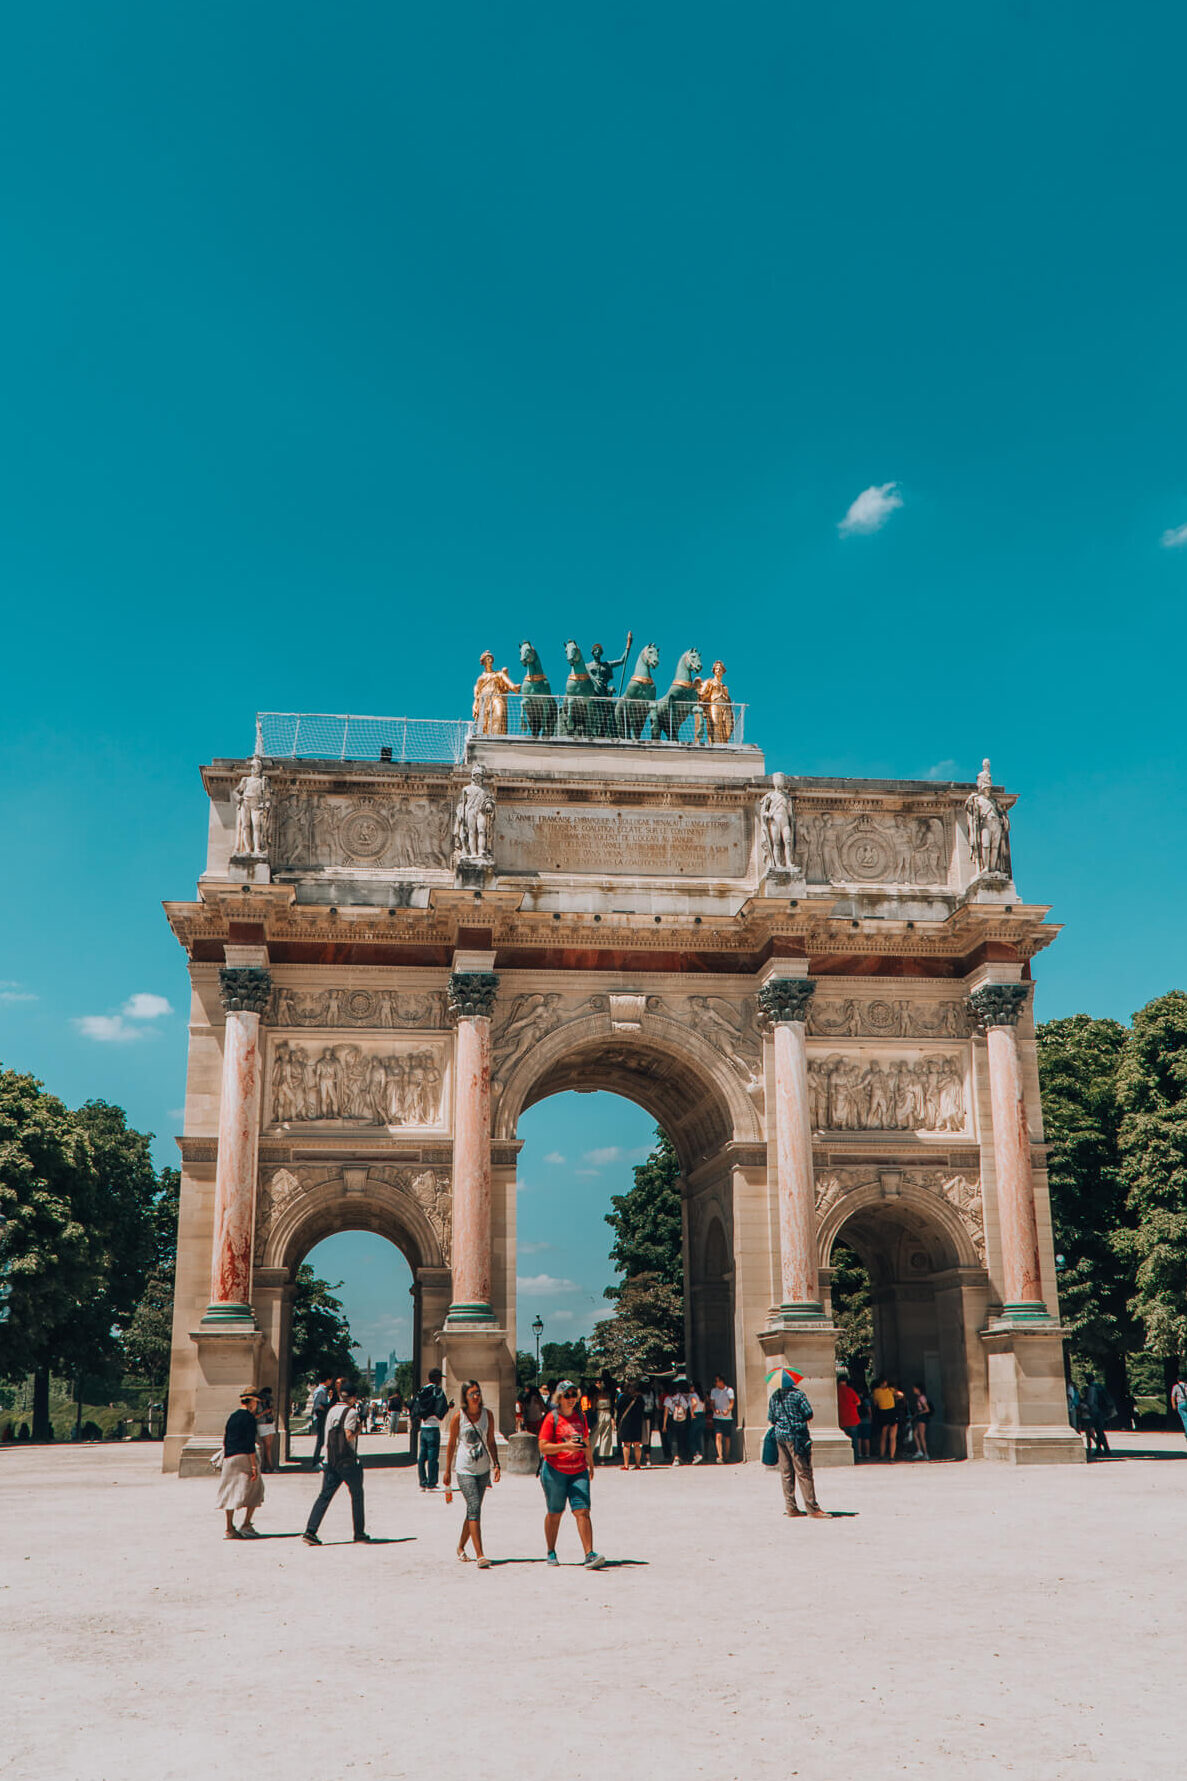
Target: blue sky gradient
x=339, y=344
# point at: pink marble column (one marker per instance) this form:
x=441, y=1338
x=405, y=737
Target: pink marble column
x=245, y=993
x=784, y=1001
x=998, y=1005
x=472, y=997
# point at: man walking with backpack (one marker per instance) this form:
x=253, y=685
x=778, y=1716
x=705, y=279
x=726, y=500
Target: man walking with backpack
x=341, y=1465
x=323, y=1399
x=428, y=1408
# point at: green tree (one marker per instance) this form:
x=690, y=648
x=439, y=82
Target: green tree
x=1079, y=1060
x=148, y=1339
x=1152, y=1094
x=525, y=1369
x=852, y=1313
x=646, y=1221
x=50, y=1257
x=646, y=1332
x=564, y=1360
x=321, y=1339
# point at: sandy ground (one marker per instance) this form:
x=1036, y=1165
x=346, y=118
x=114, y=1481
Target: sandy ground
x=958, y=1619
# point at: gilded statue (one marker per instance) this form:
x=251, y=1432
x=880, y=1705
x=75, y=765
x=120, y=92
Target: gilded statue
x=490, y=697
x=715, y=718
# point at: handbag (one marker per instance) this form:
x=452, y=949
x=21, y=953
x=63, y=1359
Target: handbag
x=770, y=1449
x=216, y=1460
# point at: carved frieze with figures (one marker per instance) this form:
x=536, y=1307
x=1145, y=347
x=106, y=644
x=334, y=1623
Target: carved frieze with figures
x=358, y=1008
x=348, y=1086
x=859, y=1094
x=389, y=832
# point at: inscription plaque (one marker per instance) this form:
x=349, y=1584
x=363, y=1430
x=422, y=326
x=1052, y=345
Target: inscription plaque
x=650, y=843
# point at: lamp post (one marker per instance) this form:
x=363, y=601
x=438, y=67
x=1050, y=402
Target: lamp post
x=537, y=1331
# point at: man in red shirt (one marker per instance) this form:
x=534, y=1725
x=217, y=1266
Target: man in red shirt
x=848, y=1410
x=566, y=1453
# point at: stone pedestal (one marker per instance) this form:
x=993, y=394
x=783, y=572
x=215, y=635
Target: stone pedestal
x=228, y=1360
x=522, y=1455
x=1028, y=1422
x=474, y=1351
x=809, y=1349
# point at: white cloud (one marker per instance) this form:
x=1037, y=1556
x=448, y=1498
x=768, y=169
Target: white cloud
x=176, y=1113
x=561, y=1316
x=871, y=510
x=587, y=1172
x=144, y=1006
x=15, y=992
x=1174, y=537
x=533, y=1248
x=554, y=1156
x=542, y=1283
x=941, y=770
x=611, y=1153
x=108, y=1029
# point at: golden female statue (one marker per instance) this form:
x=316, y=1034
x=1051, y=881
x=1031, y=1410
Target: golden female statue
x=490, y=697
x=715, y=711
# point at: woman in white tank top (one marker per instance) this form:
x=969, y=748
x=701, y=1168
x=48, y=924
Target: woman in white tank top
x=473, y=1456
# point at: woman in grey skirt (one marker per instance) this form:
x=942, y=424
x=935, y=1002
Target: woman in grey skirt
x=240, y=1485
x=474, y=1457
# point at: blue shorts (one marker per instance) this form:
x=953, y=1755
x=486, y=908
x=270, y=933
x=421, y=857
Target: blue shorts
x=564, y=1487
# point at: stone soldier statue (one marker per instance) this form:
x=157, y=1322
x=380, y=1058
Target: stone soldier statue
x=253, y=801
x=474, y=820
x=775, y=827
x=989, y=827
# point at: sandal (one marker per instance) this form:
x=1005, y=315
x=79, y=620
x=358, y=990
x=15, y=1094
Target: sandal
x=484, y=1564
x=232, y=1533
x=463, y=1557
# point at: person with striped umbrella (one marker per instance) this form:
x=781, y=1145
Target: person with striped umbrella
x=789, y=1413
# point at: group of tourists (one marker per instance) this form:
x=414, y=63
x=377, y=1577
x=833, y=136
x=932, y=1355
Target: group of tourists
x=885, y=1423
x=692, y=1425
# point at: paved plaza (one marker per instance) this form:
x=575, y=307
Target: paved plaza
x=968, y=1619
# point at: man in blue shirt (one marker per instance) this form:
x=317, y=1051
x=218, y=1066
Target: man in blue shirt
x=789, y=1414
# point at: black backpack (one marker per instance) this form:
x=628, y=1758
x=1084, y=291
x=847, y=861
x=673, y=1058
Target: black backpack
x=339, y=1452
x=429, y=1402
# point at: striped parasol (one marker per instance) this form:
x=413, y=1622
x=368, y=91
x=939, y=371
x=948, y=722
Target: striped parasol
x=780, y=1378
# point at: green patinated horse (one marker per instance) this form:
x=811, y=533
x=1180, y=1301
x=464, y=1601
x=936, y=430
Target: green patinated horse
x=638, y=701
x=680, y=700
x=539, y=706
x=576, y=712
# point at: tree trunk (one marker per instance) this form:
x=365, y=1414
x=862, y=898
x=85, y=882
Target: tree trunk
x=41, y=1423
x=1116, y=1376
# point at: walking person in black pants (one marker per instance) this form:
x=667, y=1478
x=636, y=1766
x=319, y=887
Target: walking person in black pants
x=341, y=1465
x=323, y=1399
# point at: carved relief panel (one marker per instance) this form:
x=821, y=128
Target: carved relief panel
x=428, y=1189
x=856, y=1017
x=390, y=832
x=868, y=1092
x=357, y=1008
x=962, y=1192
x=346, y=1086
x=833, y=848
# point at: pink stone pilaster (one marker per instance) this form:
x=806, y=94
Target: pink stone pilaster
x=471, y=1172
x=1021, y=1275
x=235, y=1178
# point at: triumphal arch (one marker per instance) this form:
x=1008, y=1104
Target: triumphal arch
x=406, y=934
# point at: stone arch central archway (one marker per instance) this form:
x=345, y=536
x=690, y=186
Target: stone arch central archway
x=708, y=1103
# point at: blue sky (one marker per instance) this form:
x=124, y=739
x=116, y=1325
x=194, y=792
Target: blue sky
x=340, y=343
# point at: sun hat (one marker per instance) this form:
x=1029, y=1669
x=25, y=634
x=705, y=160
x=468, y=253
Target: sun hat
x=249, y=1392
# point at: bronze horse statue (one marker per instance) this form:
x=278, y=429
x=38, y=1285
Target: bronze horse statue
x=539, y=706
x=680, y=700
x=638, y=701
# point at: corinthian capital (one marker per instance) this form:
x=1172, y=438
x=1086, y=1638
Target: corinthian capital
x=998, y=1004
x=472, y=994
x=786, y=998
x=244, y=989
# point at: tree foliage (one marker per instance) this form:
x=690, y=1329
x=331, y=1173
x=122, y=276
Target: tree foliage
x=564, y=1360
x=1152, y=1094
x=646, y=1332
x=852, y=1312
x=646, y=1221
x=1078, y=1064
x=148, y=1339
x=321, y=1339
